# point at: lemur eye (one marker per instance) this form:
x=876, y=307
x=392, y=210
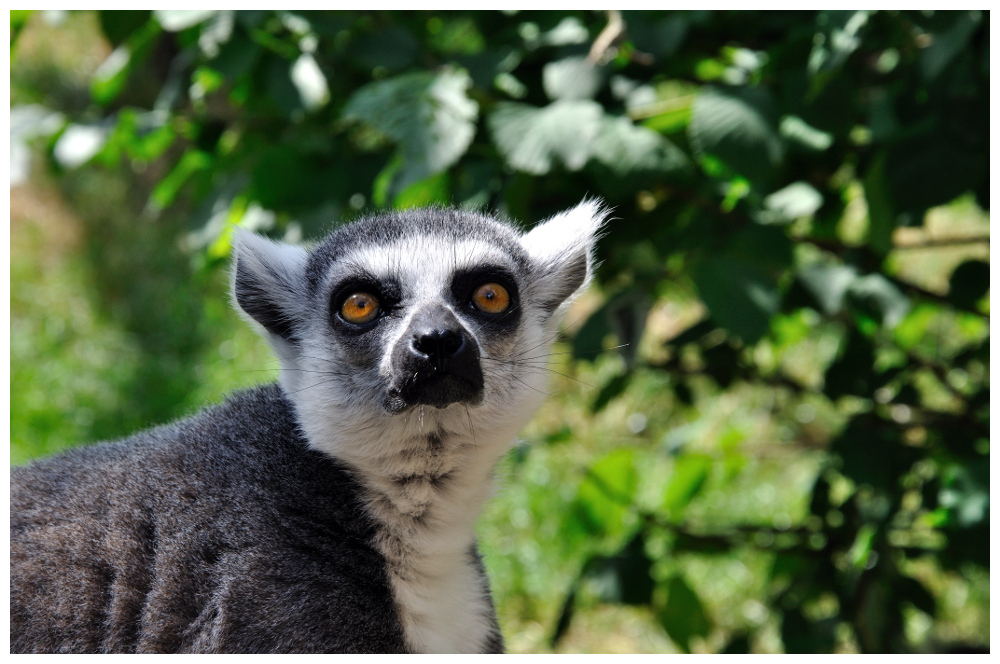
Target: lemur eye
x=360, y=308
x=491, y=298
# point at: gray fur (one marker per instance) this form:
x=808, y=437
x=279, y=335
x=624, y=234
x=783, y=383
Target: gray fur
x=333, y=512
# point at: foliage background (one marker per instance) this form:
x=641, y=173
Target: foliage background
x=769, y=422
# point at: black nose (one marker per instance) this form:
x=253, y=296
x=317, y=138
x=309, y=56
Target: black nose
x=439, y=345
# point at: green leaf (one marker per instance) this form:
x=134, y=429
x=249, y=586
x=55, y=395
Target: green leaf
x=881, y=211
x=605, y=494
x=740, y=297
x=687, y=478
x=737, y=126
x=623, y=578
x=571, y=78
x=531, y=139
x=394, y=48
x=435, y=190
x=110, y=78
x=683, y=616
x=609, y=390
x=969, y=283
x=946, y=45
x=281, y=89
x=166, y=190
x=872, y=453
x=965, y=493
x=18, y=19
x=428, y=115
x=861, y=549
x=118, y=25
x=237, y=57
x=878, y=296
x=828, y=284
x=659, y=38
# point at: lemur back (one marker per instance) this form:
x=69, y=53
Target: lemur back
x=333, y=512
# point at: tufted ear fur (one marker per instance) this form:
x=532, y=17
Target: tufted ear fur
x=562, y=250
x=268, y=283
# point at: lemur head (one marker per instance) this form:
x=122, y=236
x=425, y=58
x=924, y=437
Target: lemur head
x=439, y=312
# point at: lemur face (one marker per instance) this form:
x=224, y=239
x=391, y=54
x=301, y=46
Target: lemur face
x=430, y=308
x=419, y=307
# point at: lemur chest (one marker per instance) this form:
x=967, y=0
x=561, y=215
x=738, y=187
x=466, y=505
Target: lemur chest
x=426, y=501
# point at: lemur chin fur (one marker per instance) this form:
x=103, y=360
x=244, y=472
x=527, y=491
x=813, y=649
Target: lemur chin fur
x=332, y=512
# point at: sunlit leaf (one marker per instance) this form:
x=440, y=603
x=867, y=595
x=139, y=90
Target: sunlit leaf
x=606, y=492
x=79, y=143
x=838, y=37
x=828, y=284
x=799, y=199
x=310, y=82
x=175, y=20
x=571, y=78
x=688, y=477
x=531, y=139
x=428, y=115
x=626, y=148
x=797, y=132
x=434, y=190
x=166, y=191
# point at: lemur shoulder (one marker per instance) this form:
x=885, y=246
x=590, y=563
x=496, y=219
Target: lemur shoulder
x=334, y=511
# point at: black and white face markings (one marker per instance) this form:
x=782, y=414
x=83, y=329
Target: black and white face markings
x=420, y=308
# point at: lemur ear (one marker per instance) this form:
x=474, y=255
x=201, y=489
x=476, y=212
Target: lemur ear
x=562, y=251
x=268, y=283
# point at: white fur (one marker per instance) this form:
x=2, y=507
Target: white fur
x=427, y=527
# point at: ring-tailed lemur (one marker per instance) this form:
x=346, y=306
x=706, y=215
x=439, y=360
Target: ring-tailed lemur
x=332, y=512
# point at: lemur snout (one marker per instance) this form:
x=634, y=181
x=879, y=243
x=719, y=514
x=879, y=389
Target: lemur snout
x=437, y=362
x=440, y=346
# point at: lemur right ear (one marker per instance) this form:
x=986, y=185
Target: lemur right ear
x=268, y=283
x=562, y=249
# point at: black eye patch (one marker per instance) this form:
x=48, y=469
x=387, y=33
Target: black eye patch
x=387, y=292
x=464, y=284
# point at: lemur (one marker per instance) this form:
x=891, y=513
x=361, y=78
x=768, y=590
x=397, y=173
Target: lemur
x=333, y=511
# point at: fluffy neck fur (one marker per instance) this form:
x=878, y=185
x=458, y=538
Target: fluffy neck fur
x=427, y=473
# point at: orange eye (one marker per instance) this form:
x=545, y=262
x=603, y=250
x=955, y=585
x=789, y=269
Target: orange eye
x=491, y=298
x=360, y=308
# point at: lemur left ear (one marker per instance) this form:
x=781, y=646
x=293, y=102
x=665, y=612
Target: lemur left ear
x=268, y=283
x=562, y=250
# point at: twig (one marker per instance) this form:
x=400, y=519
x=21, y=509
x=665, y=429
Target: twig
x=603, y=48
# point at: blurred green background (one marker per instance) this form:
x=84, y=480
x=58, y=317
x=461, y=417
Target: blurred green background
x=769, y=427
